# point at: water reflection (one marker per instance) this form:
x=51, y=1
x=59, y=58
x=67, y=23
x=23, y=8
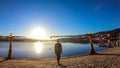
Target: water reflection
x=38, y=47
x=44, y=49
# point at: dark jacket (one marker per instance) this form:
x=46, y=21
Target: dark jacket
x=58, y=48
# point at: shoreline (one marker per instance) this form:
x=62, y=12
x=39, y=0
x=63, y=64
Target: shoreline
x=104, y=58
x=55, y=57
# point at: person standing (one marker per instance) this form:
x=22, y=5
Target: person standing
x=58, y=51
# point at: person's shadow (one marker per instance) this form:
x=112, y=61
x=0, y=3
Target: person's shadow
x=62, y=66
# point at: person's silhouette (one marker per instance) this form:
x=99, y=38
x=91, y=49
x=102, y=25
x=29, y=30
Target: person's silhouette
x=58, y=51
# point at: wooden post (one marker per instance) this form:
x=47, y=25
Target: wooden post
x=10, y=46
x=92, y=51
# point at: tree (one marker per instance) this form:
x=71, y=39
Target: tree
x=10, y=46
x=92, y=51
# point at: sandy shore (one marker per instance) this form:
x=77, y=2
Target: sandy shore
x=104, y=59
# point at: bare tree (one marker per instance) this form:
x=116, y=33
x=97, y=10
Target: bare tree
x=10, y=46
x=92, y=51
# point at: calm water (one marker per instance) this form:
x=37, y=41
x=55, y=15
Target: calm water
x=44, y=50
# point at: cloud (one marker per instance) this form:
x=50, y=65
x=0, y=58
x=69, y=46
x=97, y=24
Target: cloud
x=106, y=3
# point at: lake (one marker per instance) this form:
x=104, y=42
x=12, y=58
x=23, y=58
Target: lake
x=44, y=49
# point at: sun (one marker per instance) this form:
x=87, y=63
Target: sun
x=38, y=33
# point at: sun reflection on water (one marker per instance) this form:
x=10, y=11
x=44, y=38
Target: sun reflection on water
x=38, y=47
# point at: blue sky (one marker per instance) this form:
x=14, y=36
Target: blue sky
x=58, y=17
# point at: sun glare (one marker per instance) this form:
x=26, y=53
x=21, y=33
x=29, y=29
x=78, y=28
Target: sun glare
x=38, y=33
x=38, y=47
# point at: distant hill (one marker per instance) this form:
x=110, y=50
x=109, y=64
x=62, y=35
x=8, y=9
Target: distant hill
x=110, y=31
x=113, y=33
